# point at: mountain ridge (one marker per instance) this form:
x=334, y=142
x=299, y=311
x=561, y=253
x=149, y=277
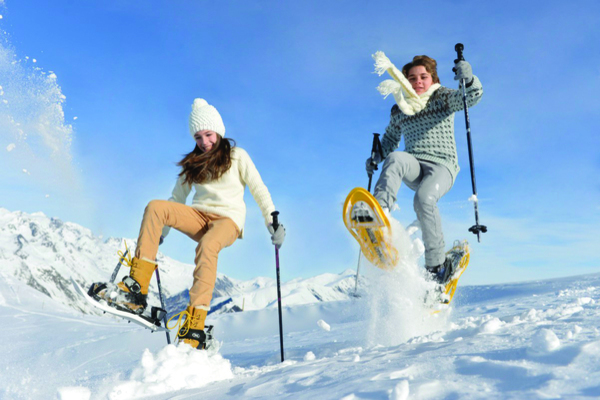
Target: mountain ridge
x=44, y=252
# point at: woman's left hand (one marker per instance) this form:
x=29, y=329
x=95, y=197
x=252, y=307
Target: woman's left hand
x=463, y=70
x=277, y=236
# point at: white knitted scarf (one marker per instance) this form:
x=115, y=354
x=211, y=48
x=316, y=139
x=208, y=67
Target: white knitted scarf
x=407, y=99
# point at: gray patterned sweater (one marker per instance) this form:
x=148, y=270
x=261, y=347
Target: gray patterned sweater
x=429, y=134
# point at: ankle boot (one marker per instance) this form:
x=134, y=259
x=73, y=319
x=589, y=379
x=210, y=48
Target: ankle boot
x=141, y=272
x=192, y=331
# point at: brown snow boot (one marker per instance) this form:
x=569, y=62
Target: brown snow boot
x=192, y=331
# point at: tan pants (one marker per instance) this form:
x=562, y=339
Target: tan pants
x=212, y=232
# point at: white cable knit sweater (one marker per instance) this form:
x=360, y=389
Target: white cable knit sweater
x=225, y=196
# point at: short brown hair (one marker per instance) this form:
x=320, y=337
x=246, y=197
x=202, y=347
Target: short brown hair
x=429, y=63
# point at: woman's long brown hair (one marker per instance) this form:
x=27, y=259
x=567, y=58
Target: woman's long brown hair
x=202, y=167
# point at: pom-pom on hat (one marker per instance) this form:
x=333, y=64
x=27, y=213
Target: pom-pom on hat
x=204, y=116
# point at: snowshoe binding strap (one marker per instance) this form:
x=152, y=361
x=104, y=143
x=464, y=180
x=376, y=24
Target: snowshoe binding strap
x=135, y=291
x=441, y=273
x=132, y=285
x=157, y=314
x=362, y=213
x=95, y=288
x=193, y=334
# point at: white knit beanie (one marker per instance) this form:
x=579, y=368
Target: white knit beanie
x=204, y=116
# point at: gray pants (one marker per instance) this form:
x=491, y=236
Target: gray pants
x=430, y=181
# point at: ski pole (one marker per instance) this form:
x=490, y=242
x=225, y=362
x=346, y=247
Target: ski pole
x=357, y=272
x=162, y=304
x=376, y=147
x=476, y=229
x=116, y=271
x=275, y=226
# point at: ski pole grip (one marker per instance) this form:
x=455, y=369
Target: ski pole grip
x=374, y=146
x=459, y=47
x=274, y=214
x=374, y=149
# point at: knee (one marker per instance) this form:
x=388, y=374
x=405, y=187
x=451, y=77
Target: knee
x=423, y=200
x=154, y=206
x=207, y=250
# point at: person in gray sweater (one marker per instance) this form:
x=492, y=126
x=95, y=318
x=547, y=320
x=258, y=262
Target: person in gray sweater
x=424, y=115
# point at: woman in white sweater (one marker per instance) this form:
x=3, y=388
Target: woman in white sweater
x=219, y=172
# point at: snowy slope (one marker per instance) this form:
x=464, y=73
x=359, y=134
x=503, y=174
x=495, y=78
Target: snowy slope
x=533, y=340
x=45, y=252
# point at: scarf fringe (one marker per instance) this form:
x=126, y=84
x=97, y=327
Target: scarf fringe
x=389, y=86
x=382, y=63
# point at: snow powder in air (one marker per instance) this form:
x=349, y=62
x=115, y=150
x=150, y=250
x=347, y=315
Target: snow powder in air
x=398, y=299
x=36, y=123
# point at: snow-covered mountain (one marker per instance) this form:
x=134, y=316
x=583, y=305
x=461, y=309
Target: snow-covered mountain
x=45, y=252
x=254, y=294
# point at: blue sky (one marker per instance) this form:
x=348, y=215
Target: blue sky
x=294, y=83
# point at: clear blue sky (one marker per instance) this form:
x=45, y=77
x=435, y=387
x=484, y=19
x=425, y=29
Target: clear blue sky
x=294, y=83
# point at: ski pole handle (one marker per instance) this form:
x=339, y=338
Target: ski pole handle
x=459, y=47
x=274, y=214
x=374, y=150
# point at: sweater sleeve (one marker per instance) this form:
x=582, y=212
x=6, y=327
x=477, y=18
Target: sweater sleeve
x=181, y=191
x=474, y=91
x=250, y=176
x=180, y=194
x=393, y=133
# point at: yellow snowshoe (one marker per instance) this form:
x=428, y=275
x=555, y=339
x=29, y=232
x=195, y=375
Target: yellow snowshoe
x=459, y=256
x=367, y=222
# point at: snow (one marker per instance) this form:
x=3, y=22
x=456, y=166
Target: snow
x=527, y=340
x=324, y=325
x=173, y=367
x=523, y=340
x=74, y=393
